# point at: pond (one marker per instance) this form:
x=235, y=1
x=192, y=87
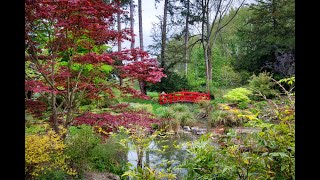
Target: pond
x=170, y=157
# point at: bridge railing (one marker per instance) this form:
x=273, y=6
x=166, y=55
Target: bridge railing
x=182, y=96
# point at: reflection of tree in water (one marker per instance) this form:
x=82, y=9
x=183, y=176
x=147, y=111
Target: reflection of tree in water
x=168, y=152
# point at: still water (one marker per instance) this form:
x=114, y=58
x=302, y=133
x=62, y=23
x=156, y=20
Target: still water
x=173, y=153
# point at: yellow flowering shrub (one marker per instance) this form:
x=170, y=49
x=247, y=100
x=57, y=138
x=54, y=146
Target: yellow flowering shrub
x=45, y=152
x=231, y=116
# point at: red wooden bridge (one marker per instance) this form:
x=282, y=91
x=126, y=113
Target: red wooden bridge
x=182, y=96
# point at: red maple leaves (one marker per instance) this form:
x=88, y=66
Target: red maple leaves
x=64, y=41
x=145, y=70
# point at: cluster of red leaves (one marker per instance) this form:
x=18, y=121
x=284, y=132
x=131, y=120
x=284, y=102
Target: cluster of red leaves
x=36, y=86
x=146, y=70
x=125, y=91
x=120, y=107
x=111, y=122
x=94, y=58
x=129, y=54
x=35, y=107
x=91, y=18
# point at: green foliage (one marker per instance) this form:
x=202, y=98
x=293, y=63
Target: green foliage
x=176, y=115
x=266, y=154
x=206, y=162
x=268, y=30
x=154, y=96
x=228, y=77
x=29, y=70
x=141, y=107
x=243, y=105
x=148, y=173
x=205, y=109
x=229, y=117
x=262, y=85
x=279, y=141
x=186, y=119
x=165, y=113
x=55, y=174
x=80, y=141
x=172, y=83
x=106, y=69
x=288, y=84
x=179, y=107
x=238, y=95
x=109, y=157
x=36, y=129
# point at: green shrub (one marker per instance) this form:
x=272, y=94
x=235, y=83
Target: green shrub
x=245, y=75
x=167, y=116
x=53, y=174
x=243, y=105
x=238, y=95
x=80, y=141
x=165, y=113
x=155, y=126
x=186, y=119
x=228, y=77
x=230, y=117
x=179, y=107
x=224, y=118
x=263, y=84
x=108, y=157
x=153, y=94
x=172, y=83
x=36, y=129
x=141, y=107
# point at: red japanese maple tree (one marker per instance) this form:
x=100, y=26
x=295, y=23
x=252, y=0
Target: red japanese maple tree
x=66, y=41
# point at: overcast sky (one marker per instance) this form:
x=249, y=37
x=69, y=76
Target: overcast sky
x=149, y=13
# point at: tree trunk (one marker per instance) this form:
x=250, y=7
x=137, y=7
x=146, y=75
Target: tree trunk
x=140, y=24
x=143, y=89
x=186, y=38
x=164, y=34
x=54, y=114
x=140, y=156
x=132, y=24
x=53, y=103
x=142, y=84
x=209, y=48
x=206, y=57
x=119, y=44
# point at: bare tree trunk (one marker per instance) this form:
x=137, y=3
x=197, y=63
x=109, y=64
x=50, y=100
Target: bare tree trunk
x=143, y=89
x=208, y=49
x=53, y=103
x=164, y=34
x=119, y=43
x=132, y=28
x=142, y=84
x=209, y=42
x=132, y=23
x=186, y=38
x=205, y=39
x=140, y=24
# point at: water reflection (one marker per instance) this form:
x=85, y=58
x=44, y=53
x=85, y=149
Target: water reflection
x=165, y=153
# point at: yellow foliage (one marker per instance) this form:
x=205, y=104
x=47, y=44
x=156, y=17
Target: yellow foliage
x=44, y=152
x=224, y=107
